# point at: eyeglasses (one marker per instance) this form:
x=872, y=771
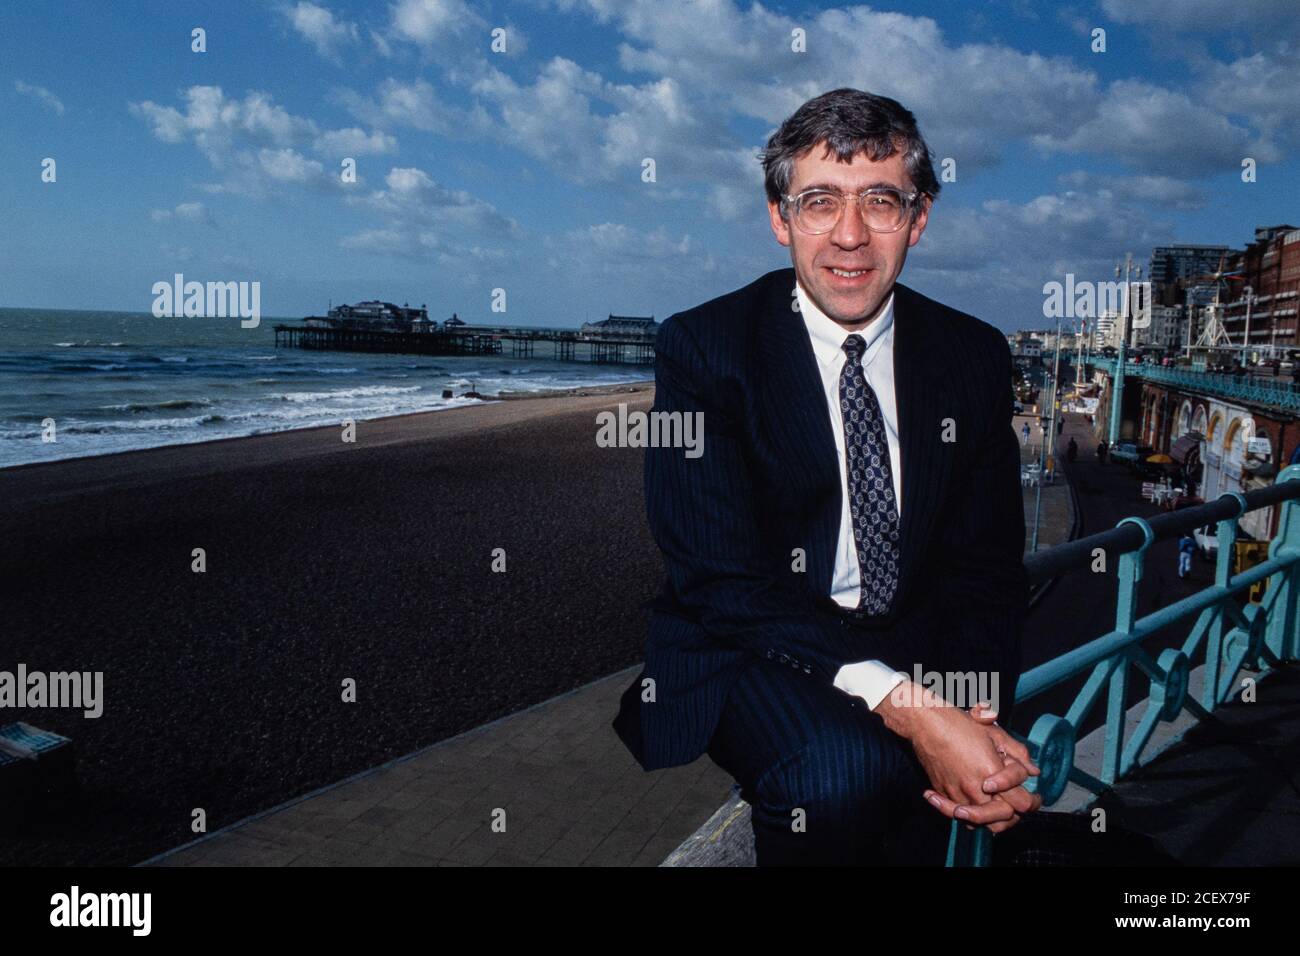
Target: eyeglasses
x=883, y=209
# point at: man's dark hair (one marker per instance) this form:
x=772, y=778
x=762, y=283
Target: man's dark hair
x=850, y=122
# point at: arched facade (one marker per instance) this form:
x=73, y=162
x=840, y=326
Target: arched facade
x=1199, y=418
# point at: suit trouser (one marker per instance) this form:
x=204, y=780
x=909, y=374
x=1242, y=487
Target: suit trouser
x=796, y=744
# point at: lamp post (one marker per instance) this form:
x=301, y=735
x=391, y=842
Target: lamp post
x=1078, y=369
x=1042, y=448
x=1247, y=293
x=1046, y=459
x=1130, y=271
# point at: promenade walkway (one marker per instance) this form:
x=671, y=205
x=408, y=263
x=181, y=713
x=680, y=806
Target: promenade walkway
x=571, y=794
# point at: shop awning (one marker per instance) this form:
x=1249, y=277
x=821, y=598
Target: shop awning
x=1188, y=444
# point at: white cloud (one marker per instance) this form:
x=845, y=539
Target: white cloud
x=215, y=123
x=1161, y=130
x=355, y=142
x=430, y=21
x=184, y=212
x=413, y=196
x=422, y=219
x=655, y=120
x=254, y=142
x=969, y=99
x=996, y=257
x=41, y=95
x=289, y=166
x=1163, y=191
x=418, y=105
x=1264, y=87
x=319, y=27
x=976, y=102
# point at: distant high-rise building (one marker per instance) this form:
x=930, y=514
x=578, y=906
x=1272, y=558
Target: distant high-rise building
x=1270, y=268
x=1168, y=264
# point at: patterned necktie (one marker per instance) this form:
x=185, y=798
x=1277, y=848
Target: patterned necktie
x=871, y=484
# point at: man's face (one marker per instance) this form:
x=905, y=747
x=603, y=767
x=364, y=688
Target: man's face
x=850, y=246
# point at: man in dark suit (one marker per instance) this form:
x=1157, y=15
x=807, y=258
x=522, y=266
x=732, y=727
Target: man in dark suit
x=853, y=525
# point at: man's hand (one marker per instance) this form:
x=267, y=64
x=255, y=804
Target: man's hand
x=976, y=768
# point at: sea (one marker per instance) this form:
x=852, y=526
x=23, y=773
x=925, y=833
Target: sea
x=119, y=381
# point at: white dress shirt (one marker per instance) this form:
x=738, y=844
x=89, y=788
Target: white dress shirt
x=871, y=680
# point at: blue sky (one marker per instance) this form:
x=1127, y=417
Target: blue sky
x=521, y=169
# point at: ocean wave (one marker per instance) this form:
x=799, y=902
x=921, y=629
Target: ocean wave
x=88, y=367
x=359, y=392
x=148, y=425
x=173, y=404
x=90, y=345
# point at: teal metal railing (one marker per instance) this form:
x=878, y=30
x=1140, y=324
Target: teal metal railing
x=1223, y=635
x=1275, y=392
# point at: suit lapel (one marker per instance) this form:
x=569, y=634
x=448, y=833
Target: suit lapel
x=799, y=415
x=923, y=396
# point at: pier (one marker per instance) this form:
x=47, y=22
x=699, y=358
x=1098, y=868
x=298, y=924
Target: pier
x=568, y=345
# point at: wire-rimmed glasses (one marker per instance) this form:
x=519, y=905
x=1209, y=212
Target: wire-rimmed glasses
x=883, y=209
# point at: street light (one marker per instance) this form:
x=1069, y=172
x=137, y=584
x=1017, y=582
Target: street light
x=1047, y=460
x=1247, y=293
x=1118, y=385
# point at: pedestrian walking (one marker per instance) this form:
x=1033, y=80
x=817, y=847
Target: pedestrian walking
x=1060, y=423
x=1101, y=452
x=1072, y=449
x=1024, y=434
x=1186, y=548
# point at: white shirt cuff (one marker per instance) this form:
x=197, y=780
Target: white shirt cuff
x=870, y=680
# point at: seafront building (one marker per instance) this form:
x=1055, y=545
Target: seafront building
x=622, y=325
x=374, y=314
x=1261, y=311
x=1222, y=402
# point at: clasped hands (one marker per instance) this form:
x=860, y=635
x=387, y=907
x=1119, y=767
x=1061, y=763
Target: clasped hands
x=976, y=768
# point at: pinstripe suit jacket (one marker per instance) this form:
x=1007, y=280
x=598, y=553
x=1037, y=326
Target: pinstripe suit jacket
x=731, y=522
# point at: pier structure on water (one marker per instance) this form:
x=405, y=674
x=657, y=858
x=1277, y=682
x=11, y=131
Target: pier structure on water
x=569, y=345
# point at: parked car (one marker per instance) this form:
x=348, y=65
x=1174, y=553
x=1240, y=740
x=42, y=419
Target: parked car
x=1130, y=453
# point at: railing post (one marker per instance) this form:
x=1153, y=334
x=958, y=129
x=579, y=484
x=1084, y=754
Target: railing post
x=1130, y=573
x=1225, y=533
x=1283, y=634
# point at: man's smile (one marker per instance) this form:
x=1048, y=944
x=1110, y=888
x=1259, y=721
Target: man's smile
x=848, y=278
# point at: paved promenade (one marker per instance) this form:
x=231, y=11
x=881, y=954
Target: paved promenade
x=1056, y=508
x=571, y=794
